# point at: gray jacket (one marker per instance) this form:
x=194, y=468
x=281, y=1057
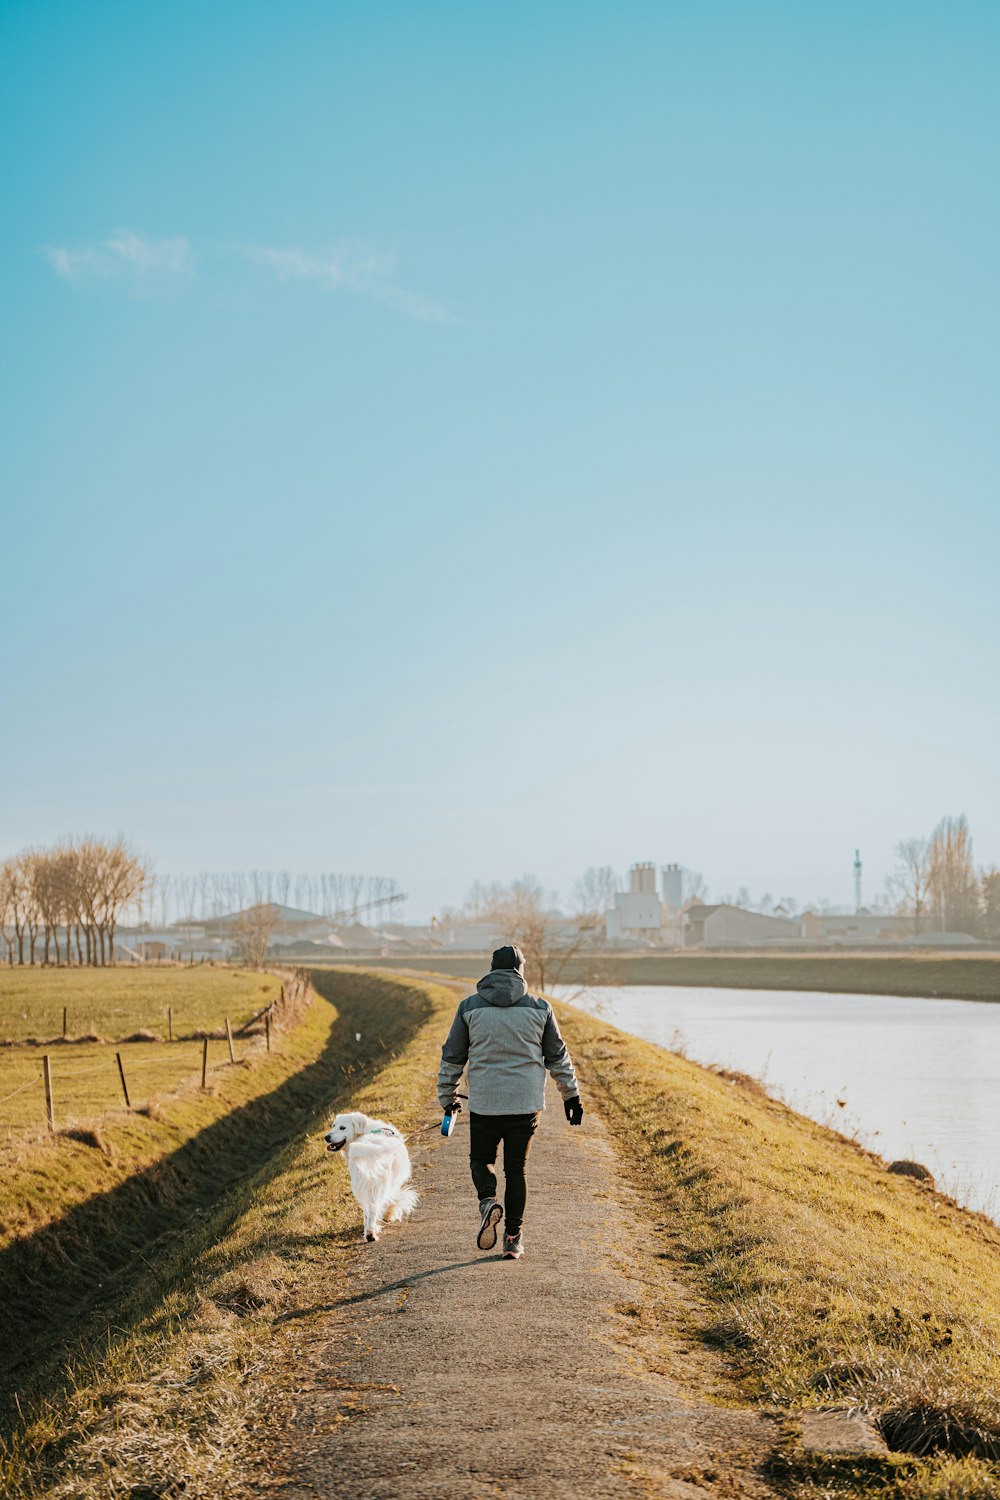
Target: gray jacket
x=508, y=1038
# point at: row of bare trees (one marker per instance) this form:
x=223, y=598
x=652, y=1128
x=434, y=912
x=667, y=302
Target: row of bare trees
x=215, y=893
x=937, y=886
x=64, y=904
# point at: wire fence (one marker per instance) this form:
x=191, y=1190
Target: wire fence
x=83, y=1025
x=77, y=1083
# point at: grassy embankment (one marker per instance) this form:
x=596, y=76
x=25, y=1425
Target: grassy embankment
x=143, y=1314
x=924, y=975
x=825, y=1280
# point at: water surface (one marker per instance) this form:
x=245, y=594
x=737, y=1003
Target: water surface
x=918, y=1078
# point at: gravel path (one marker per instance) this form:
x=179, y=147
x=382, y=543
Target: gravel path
x=446, y=1373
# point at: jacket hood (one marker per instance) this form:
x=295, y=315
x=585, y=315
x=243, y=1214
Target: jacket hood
x=502, y=987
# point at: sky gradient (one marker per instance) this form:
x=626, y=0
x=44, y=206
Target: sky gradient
x=451, y=441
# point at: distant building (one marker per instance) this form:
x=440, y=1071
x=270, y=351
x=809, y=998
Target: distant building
x=472, y=937
x=672, y=886
x=724, y=926
x=637, y=910
x=857, y=927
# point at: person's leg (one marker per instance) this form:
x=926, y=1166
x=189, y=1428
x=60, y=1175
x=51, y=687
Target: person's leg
x=484, y=1141
x=517, y=1137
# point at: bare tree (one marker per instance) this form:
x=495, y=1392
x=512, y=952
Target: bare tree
x=953, y=886
x=355, y=890
x=124, y=878
x=184, y=888
x=909, y=882
x=7, y=907
x=483, y=901
x=47, y=879
x=30, y=862
x=523, y=912
x=18, y=899
x=989, y=904
x=253, y=929
x=594, y=892
x=165, y=892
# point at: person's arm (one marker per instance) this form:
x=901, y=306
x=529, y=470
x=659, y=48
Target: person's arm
x=454, y=1056
x=557, y=1059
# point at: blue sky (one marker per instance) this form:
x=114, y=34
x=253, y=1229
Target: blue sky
x=450, y=441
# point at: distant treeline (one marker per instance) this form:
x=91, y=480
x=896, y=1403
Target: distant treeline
x=212, y=893
x=937, y=885
x=65, y=903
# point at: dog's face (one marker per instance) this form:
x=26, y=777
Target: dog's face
x=344, y=1130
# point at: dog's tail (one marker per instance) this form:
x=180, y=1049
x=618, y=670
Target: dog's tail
x=405, y=1202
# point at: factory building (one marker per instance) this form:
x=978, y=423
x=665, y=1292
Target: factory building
x=637, y=910
x=672, y=886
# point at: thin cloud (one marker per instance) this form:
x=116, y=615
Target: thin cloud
x=353, y=268
x=124, y=254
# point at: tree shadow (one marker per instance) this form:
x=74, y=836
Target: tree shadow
x=107, y=1260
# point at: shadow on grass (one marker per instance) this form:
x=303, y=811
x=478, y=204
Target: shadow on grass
x=66, y=1286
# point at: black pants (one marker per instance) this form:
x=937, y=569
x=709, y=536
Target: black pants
x=485, y=1134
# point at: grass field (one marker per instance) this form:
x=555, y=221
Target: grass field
x=160, y=1385
x=826, y=1280
x=923, y=975
x=97, y=1141
x=114, y=1003
x=86, y=1084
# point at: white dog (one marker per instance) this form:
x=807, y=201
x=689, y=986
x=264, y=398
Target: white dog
x=379, y=1164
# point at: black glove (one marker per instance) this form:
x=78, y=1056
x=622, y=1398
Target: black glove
x=574, y=1109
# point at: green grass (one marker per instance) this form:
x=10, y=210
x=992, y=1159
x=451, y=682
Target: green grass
x=98, y=1143
x=114, y=1003
x=86, y=1083
x=825, y=1281
x=184, y=1349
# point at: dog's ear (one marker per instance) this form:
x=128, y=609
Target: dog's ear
x=360, y=1122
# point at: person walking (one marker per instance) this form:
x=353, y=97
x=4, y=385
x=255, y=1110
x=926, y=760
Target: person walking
x=507, y=1038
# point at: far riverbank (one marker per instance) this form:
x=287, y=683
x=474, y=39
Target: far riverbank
x=926, y=975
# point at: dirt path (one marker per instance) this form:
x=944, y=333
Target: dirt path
x=447, y=1374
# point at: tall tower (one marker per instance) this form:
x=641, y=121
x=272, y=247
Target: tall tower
x=673, y=886
x=857, y=880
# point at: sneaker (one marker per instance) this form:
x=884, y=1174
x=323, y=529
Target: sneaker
x=512, y=1247
x=492, y=1214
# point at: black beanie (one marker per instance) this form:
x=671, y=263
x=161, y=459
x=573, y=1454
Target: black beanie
x=510, y=957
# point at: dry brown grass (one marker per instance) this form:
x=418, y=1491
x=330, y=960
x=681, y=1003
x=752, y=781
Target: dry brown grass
x=825, y=1279
x=167, y=1404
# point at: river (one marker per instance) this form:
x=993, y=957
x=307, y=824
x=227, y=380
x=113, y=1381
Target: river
x=918, y=1078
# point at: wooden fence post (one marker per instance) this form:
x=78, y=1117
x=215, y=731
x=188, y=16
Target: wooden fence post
x=47, y=1075
x=229, y=1039
x=170, y=1022
x=267, y=1029
x=121, y=1075
x=204, y=1061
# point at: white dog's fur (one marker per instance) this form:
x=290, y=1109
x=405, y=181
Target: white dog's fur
x=379, y=1164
